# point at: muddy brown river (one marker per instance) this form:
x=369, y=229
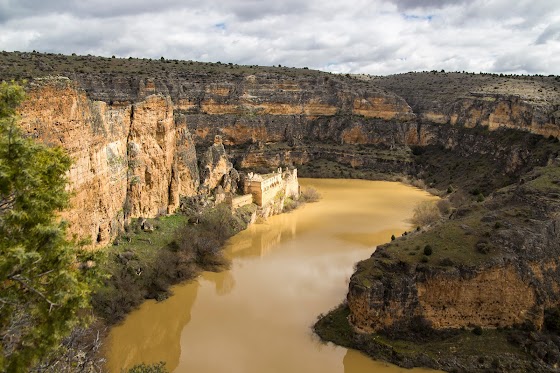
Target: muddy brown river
x=256, y=317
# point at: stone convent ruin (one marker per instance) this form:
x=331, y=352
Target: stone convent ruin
x=265, y=188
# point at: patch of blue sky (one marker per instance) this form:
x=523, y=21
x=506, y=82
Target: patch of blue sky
x=414, y=17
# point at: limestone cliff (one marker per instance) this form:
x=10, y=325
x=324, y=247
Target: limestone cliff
x=130, y=160
x=132, y=125
x=525, y=103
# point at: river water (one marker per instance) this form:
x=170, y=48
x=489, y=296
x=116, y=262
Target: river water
x=256, y=317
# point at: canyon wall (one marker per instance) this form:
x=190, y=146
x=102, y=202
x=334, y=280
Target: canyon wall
x=133, y=152
x=129, y=159
x=134, y=138
x=530, y=103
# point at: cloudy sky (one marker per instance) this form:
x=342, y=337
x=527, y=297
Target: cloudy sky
x=359, y=36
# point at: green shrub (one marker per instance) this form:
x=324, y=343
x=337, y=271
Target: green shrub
x=477, y=330
x=483, y=247
x=428, y=250
x=290, y=204
x=152, y=368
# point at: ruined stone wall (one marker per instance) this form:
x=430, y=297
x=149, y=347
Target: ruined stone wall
x=292, y=188
x=240, y=201
x=266, y=188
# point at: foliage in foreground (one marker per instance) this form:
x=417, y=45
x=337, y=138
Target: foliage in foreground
x=41, y=285
x=78, y=352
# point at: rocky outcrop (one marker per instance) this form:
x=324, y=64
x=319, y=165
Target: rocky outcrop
x=95, y=135
x=491, y=266
x=153, y=144
x=489, y=298
x=217, y=170
x=524, y=103
x=130, y=160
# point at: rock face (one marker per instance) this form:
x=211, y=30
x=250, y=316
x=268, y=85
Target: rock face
x=95, y=135
x=133, y=135
x=492, y=101
x=130, y=160
x=495, y=297
x=217, y=170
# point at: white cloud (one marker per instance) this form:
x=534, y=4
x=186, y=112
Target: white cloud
x=366, y=36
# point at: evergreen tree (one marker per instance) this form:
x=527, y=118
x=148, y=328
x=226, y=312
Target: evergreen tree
x=42, y=288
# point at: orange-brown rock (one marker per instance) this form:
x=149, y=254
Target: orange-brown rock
x=494, y=297
x=95, y=136
x=154, y=159
x=128, y=160
x=383, y=107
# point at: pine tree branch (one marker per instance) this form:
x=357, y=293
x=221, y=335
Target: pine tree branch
x=21, y=280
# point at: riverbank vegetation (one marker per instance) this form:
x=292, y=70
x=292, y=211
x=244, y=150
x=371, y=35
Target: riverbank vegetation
x=153, y=254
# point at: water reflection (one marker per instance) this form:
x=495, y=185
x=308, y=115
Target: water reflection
x=223, y=282
x=256, y=317
x=158, y=337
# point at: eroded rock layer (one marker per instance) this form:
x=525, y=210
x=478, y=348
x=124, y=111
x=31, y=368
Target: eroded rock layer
x=130, y=160
x=132, y=125
x=493, y=264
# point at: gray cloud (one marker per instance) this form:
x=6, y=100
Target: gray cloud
x=365, y=36
x=425, y=4
x=552, y=32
